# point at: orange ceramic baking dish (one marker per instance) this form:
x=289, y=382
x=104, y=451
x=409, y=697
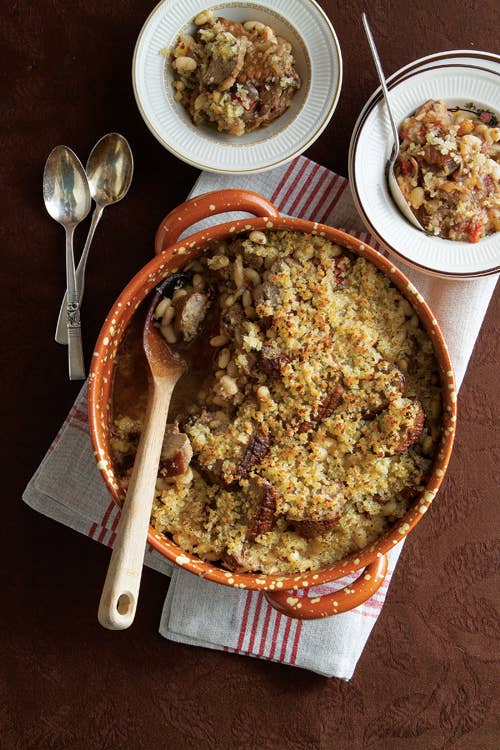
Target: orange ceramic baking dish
x=171, y=256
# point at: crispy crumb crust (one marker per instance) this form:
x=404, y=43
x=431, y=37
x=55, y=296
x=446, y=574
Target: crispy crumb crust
x=307, y=459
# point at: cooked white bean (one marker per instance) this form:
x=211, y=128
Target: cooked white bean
x=263, y=393
x=254, y=26
x=258, y=237
x=178, y=294
x=168, y=316
x=169, y=334
x=252, y=276
x=185, y=64
x=219, y=340
x=247, y=298
x=223, y=359
x=417, y=197
x=229, y=385
x=206, y=16
x=198, y=282
x=238, y=276
x=161, y=307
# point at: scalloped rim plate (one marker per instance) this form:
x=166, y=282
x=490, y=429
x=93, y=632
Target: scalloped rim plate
x=458, y=77
x=318, y=61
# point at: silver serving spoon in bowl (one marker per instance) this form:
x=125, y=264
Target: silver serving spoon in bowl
x=67, y=199
x=110, y=167
x=121, y=588
x=396, y=192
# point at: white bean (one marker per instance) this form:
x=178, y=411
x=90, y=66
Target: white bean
x=185, y=64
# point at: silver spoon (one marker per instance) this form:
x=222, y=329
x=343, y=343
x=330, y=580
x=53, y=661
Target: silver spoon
x=391, y=177
x=110, y=167
x=67, y=199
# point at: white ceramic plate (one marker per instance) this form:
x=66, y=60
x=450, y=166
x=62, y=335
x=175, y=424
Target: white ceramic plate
x=457, y=77
x=318, y=62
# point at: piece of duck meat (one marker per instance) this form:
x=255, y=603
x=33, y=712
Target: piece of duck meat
x=264, y=497
x=411, y=426
x=342, y=266
x=311, y=529
x=236, y=562
x=190, y=312
x=399, y=426
x=271, y=362
x=388, y=383
x=267, y=297
x=176, y=452
x=228, y=50
x=331, y=401
x=257, y=448
x=320, y=514
x=446, y=163
x=231, y=323
x=225, y=468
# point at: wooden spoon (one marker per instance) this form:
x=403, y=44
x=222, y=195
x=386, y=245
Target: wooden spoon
x=121, y=588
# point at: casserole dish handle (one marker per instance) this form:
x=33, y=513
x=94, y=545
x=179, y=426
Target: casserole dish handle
x=312, y=608
x=210, y=204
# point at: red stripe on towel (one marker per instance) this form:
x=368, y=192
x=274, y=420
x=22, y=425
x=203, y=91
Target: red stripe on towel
x=274, y=638
x=284, y=644
x=308, y=178
x=255, y=623
x=302, y=167
x=334, y=201
x=113, y=528
x=244, y=621
x=284, y=179
x=265, y=628
x=321, y=198
x=296, y=640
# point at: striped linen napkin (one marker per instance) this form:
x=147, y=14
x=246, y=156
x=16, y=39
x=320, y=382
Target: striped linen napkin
x=67, y=486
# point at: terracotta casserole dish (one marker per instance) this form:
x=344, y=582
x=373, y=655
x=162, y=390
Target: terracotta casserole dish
x=171, y=256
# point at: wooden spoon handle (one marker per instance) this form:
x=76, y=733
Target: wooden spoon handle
x=121, y=587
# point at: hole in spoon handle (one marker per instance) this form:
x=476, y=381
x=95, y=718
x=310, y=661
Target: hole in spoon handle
x=125, y=604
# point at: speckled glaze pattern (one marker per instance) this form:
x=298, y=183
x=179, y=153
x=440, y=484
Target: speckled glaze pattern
x=171, y=256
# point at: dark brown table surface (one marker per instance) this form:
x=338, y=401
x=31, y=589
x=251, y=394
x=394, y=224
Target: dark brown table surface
x=427, y=676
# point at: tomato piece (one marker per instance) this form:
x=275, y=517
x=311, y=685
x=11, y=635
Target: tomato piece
x=405, y=166
x=466, y=127
x=473, y=230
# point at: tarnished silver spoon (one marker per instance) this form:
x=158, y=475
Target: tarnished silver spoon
x=110, y=167
x=396, y=192
x=67, y=199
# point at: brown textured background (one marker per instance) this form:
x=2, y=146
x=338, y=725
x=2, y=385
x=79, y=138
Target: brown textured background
x=428, y=678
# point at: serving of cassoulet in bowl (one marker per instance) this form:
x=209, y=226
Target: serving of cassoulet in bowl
x=448, y=168
x=238, y=87
x=317, y=418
